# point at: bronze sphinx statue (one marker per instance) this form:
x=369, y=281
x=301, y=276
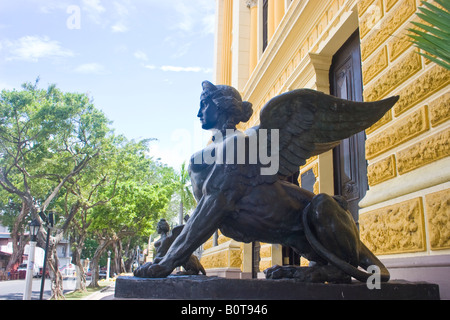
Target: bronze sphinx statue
x=192, y=266
x=239, y=181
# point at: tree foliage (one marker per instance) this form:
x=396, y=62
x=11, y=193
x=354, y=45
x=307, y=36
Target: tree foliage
x=58, y=152
x=433, y=36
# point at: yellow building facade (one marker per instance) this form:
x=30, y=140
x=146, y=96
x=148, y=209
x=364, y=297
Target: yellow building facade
x=358, y=50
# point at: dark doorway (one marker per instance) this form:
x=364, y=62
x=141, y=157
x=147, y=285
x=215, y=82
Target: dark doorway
x=289, y=256
x=350, y=166
x=256, y=247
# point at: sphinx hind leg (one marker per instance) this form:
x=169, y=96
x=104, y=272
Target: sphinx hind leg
x=331, y=230
x=367, y=259
x=350, y=251
x=334, y=228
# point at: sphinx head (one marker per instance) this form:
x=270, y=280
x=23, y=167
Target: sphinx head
x=221, y=107
x=162, y=226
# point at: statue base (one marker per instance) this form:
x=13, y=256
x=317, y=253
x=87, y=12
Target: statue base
x=214, y=288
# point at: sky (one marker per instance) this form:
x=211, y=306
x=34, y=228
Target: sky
x=141, y=61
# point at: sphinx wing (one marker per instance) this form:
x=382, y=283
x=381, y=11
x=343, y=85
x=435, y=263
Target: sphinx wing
x=310, y=122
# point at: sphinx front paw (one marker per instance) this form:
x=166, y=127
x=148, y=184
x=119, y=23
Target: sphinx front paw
x=151, y=270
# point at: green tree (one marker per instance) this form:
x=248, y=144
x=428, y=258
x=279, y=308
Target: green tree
x=183, y=190
x=141, y=196
x=94, y=188
x=47, y=138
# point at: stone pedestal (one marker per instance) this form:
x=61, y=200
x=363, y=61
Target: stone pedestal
x=215, y=288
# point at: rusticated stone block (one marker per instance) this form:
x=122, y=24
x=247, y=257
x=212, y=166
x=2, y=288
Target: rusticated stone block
x=385, y=119
x=400, y=132
x=372, y=16
x=391, y=23
x=228, y=255
x=363, y=5
x=438, y=214
x=265, y=250
x=208, y=244
x=395, y=76
x=375, y=65
x=440, y=110
x=394, y=229
x=215, y=260
x=398, y=45
x=390, y=4
x=428, y=83
x=220, y=239
x=235, y=260
x=424, y=152
x=265, y=264
x=381, y=171
x=401, y=42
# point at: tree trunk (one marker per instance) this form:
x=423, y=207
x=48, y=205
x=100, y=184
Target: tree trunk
x=79, y=237
x=18, y=250
x=115, y=267
x=94, y=272
x=55, y=275
x=119, y=265
x=94, y=263
x=80, y=284
x=127, y=264
x=18, y=239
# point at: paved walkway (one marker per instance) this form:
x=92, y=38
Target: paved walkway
x=106, y=293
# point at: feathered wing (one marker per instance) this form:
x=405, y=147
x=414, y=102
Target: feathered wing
x=310, y=122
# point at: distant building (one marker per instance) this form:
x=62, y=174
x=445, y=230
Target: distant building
x=396, y=175
x=6, y=249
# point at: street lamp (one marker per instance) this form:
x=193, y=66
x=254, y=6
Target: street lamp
x=34, y=229
x=108, y=265
x=49, y=222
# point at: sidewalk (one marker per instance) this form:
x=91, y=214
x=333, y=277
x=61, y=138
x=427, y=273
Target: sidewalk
x=106, y=293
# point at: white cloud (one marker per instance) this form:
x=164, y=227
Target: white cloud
x=94, y=9
x=33, y=48
x=185, y=69
x=187, y=18
x=49, y=6
x=194, y=13
x=208, y=21
x=193, y=16
x=181, y=50
x=180, y=150
x=91, y=68
x=119, y=27
x=93, y=6
x=121, y=9
x=121, y=12
x=140, y=55
x=167, y=68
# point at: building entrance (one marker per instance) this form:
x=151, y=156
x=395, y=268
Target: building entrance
x=349, y=162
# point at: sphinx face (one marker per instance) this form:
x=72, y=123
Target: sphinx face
x=208, y=114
